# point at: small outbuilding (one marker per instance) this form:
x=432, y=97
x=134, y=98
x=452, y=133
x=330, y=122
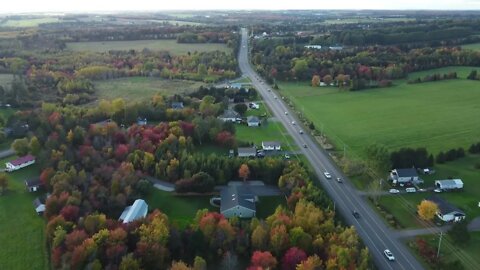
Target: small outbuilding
x=137, y=210
x=39, y=206
x=449, y=184
x=446, y=211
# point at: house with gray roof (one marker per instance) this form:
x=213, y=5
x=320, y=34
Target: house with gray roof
x=137, y=210
x=247, y=152
x=230, y=116
x=177, y=105
x=237, y=201
x=253, y=121
x=402, y=176
x=446, y=211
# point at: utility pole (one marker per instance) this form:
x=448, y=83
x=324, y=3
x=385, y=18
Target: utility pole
x=439, y=244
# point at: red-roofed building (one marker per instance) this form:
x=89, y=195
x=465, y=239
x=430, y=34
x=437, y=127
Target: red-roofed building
x=19, y=163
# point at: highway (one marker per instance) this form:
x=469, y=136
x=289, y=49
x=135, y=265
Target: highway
x=370, y=226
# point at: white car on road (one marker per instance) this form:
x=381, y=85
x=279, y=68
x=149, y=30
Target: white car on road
x=389, y=255
x=327, y=175
x=394, y=191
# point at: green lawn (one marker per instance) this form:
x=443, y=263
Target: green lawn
x=141, y=88
x=467, y=254
x=180, y=209
x=271, y=131
x=404, y=207
x=473, y=46
x=436, y=115
x=33, y=22
x=22, y=230
x=170, y=45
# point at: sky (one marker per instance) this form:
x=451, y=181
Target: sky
x=27, y=6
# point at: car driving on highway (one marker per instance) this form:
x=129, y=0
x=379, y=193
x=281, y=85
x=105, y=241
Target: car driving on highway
x=327, y=175
x=389, y=255
x=356, y=214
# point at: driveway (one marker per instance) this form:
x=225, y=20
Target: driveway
x=6, y=153
x=161, y=185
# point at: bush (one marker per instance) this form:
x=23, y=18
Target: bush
x=440, y=159
x=200, y=182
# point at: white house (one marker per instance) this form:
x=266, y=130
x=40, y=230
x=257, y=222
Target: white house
x=253, y=105
x=450, y=184
x=446, y=211
x=19, y=163
x=230, y=116
x=404, y=176
x=136, y=211
x=247, y=152
x=271, y=145
x=315, y=47
x=253, y=121
x=237, y=201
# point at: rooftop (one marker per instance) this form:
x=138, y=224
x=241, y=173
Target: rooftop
x=410, y=172
x=34, y=182
x=444, y=206
x=138, y=210
x=233, y=196
x=271, y=143
x=22, y=160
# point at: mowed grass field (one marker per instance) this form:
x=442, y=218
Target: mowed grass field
x=436, y=115
x=169, y=45
x=141, y=88
x=21, y=229
x=473, y=46
x=32, y=22
x=180, y=210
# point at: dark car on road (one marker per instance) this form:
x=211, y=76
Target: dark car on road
x=356, y=214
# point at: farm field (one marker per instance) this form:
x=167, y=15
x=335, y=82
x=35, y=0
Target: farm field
x=169, y=45
x=33, y=22
x=436, y=115
x=272, y=131
x=366, y=20
x=141, y=88
x=23, y=247
x=473, y=46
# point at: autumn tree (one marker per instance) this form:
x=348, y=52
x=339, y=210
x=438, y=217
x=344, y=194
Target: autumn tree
x=315, y=81
x=427, y=210
x=244, y=172
x=292, y=257
x=199, y=263
x=3, y=182
x=129, y=263
x=34, y=146
x=179, y=266
x=311, y=263
x=327, y=79
x=21, y=146
x=265, y=260
x=259, y=238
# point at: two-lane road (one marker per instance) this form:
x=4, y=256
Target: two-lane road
x=374, y=233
